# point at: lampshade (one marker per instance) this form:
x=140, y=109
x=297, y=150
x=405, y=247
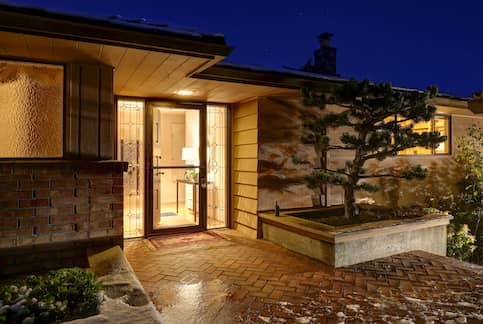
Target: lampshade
x=189, y=154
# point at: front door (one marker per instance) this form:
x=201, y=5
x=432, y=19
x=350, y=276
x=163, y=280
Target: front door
x=178, y=166
x=177, y=172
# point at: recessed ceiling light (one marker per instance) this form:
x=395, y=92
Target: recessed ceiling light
x=184, y=92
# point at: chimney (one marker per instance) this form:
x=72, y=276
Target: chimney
x=324, y=57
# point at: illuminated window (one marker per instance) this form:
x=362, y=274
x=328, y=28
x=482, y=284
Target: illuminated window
x=31, y=106
x=439, y=124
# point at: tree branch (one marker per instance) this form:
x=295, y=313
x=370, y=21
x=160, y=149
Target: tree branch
x=378, y=176
x=338, y=147
x=333, y=171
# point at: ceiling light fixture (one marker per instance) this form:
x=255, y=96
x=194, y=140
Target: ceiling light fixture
x=184, y=92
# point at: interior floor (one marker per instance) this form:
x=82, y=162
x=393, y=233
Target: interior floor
x=168, y=216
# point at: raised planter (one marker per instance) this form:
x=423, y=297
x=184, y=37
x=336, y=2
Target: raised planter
x=347, y=245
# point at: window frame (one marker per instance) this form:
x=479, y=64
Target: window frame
x=449, y=137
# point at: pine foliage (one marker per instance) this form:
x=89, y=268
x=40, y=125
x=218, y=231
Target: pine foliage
x=381, y=120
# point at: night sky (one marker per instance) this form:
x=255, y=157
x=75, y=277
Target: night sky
x=409, y=43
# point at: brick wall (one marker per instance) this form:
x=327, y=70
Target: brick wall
x=52, y=212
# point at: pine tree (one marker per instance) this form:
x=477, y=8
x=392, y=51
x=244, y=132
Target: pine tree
x=381, y=119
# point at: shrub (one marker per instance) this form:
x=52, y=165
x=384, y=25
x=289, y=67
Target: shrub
x=460, y=242
x=61, y=295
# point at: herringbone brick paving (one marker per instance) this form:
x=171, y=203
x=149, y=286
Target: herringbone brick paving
x=243, y=280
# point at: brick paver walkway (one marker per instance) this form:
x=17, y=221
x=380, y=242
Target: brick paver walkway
x=248, y=281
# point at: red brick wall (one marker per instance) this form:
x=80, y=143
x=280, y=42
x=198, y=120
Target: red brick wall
x=52, y=212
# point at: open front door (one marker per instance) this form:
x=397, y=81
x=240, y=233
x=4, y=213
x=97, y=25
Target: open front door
x=177, y=180
x=177, y=172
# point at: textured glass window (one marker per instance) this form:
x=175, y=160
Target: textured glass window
x=216, y=156
x=130, y=147
x=30, y=110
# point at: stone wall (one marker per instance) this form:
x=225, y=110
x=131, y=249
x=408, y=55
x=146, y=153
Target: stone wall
x=51, y=212
x=279, y=179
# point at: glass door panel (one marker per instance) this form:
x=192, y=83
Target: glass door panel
x=175, y=198
x=130, y=148
x=176, y=167
x=216, y=158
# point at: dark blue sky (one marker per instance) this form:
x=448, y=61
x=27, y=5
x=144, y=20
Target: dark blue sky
x=410, y=43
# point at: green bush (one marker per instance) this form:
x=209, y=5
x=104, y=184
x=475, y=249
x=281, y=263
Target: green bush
x=461, y=243
x=61, y=295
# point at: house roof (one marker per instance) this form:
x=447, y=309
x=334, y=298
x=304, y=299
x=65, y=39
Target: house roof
x=281, y=77
x=289, y=78
x=134, y=33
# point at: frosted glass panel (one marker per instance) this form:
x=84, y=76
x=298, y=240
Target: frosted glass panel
x=216, y=157
x=31, y=109
x=131, y=150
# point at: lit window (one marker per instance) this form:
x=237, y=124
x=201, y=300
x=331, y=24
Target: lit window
x=421, y=127
x=439, y=124
x=31, y=106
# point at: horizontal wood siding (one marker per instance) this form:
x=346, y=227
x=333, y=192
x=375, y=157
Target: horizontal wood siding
x=245, y=166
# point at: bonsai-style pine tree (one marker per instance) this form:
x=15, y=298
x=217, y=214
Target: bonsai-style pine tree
x=380, y=119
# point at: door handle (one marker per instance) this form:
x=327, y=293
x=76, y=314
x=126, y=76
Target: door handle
x=203, y=182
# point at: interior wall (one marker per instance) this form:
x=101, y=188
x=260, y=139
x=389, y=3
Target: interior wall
x=169, y=145
x=245, y=167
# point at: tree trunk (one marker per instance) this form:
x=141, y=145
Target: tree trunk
x=350, y=207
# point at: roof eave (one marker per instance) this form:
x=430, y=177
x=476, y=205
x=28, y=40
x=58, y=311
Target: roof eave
x=43, y=23
x=263, y=78
x=287, y=80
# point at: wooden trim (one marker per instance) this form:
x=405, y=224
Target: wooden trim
x=175, y=103
x=229, y=164
x=148, y=173
x=203, y=191
x=260, y=78
x=115, y=132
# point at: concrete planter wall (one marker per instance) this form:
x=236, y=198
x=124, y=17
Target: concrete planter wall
x=348, y=245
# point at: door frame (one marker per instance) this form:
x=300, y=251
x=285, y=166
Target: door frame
x=148, y=138
x=149, y=229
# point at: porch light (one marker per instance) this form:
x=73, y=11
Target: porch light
x=184, y=92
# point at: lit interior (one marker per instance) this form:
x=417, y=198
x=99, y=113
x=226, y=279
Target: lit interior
x=420, y=127
x=176, y=141
x=439, y=124
x=176, y=162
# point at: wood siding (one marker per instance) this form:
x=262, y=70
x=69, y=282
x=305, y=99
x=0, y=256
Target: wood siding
x=89, y=112
x=245, y=167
